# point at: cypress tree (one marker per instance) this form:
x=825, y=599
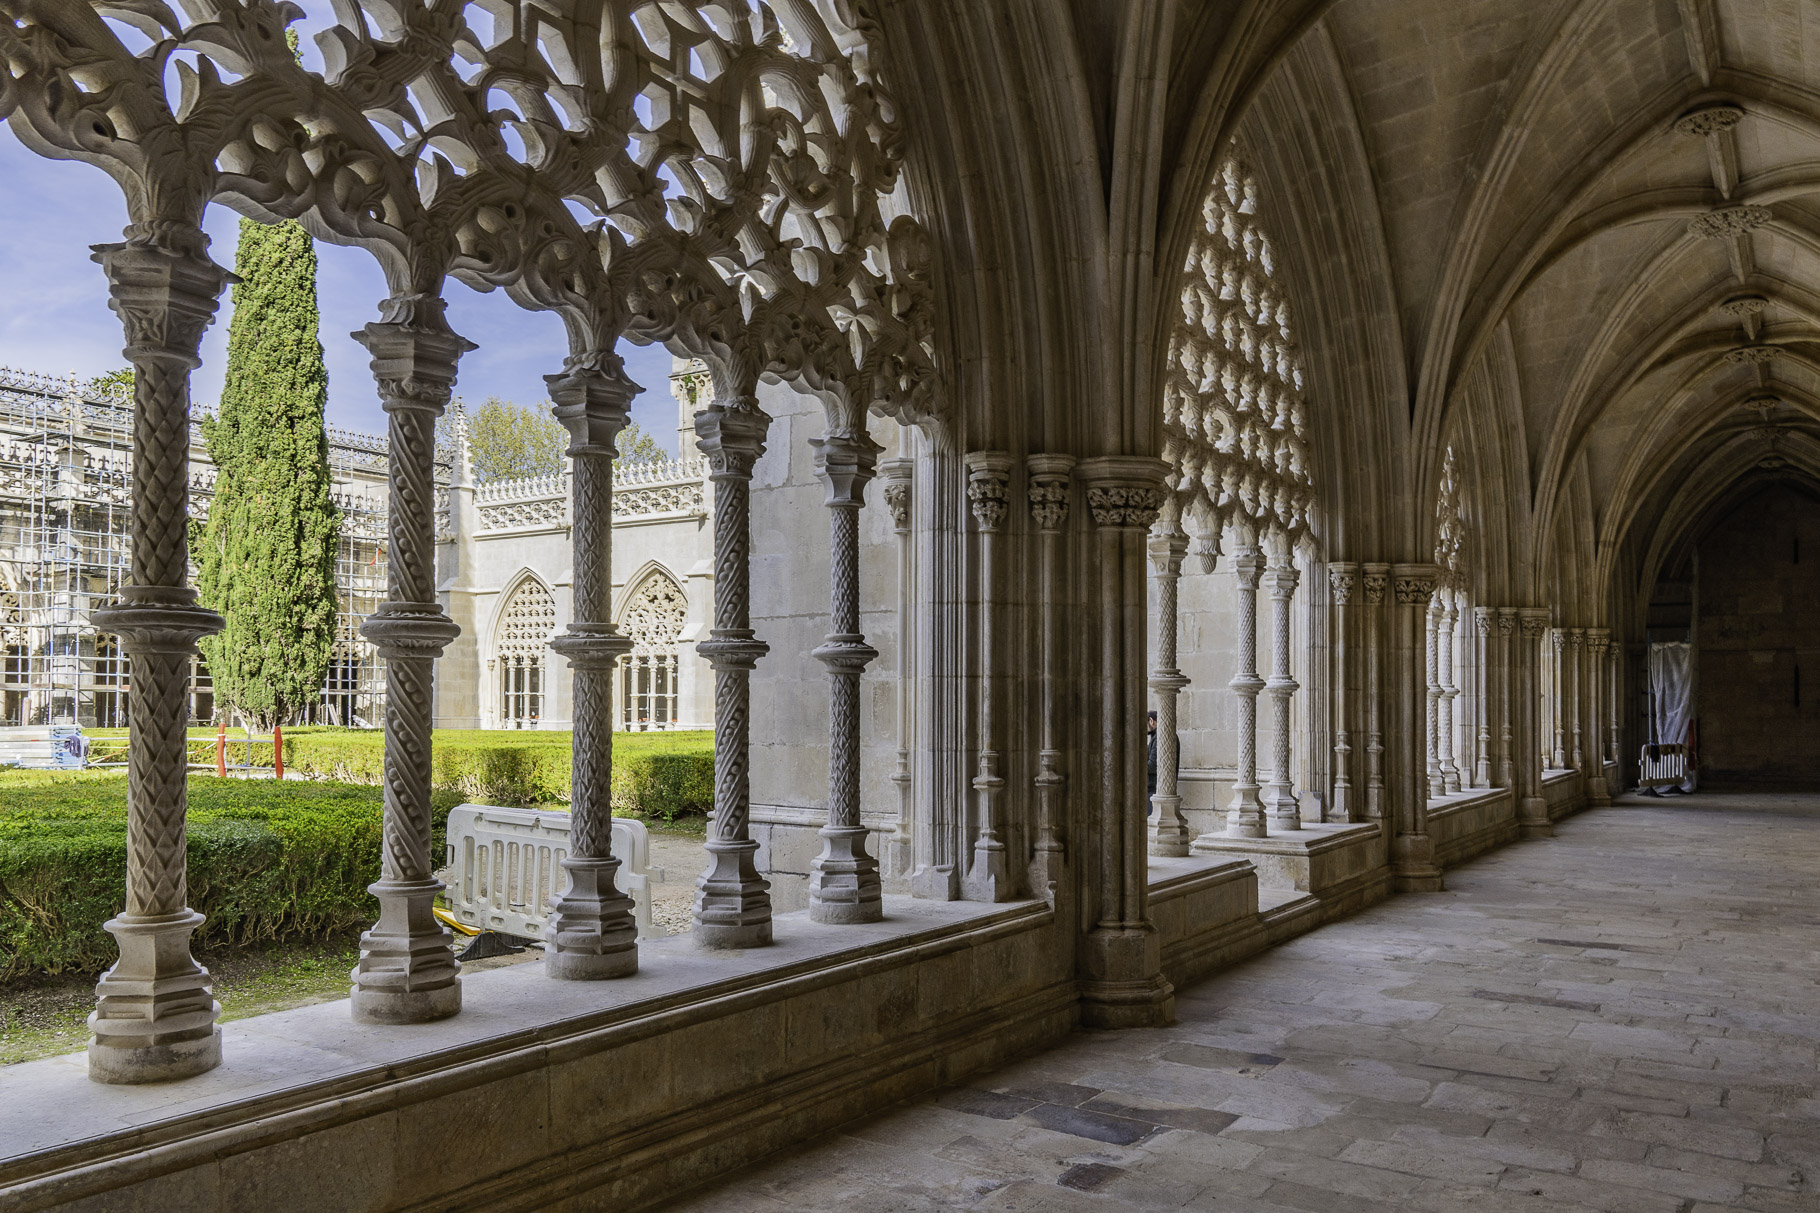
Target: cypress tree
x=266, y=556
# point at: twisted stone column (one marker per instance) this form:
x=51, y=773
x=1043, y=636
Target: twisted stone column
x=988, y=488
x=1342, y=582
x=1558, y=708
x=732, y=901
x=1532, y=802
x=1279, y=796
x=898, y=497
x=1575, y=639
x=1437, y=785
x=1169, y=833
x=1447, y=630
x=1482, y=620
x=1506, y=698
x=1049, y=489
x=1245, y=814
x=843, y=879
x=155, y=1010
x=1412, y=849
x=407, y=971
x=1377, y=584
x=591, y=932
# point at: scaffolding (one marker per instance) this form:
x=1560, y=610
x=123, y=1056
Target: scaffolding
x=65, y=541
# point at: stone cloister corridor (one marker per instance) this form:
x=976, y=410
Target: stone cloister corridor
x=1622, y=1019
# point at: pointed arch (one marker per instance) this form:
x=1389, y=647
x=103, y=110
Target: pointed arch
x=522, y=628
x=652, y=615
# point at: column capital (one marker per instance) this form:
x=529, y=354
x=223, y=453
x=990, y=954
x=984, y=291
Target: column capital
x=1575, y=637
x=731, y=437
x=846, y=463
x=1049, y=487
x=988, y=487
x=1414, y=583
x=1534, y=621
x=165, y=289
x=593, y=399
x=1167, y=550
x=1507, y=620
x=1375, y=579
x=1342, y=581
x=1124, y=492
x=414, y=354
x=1482, y=618
x=897, y=474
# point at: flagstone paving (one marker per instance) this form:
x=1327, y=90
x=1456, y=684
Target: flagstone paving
x=1624, y=1018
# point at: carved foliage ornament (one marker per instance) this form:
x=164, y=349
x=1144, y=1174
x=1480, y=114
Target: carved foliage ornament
x=1124, y=505
x=654, y=615
x=1729, y=221
x=1415, y=590
x=740, y=161
x=1754, y=354
x=1048, y=501
x=897, y=500
x=987, y=492
x=1375, y=586
x=1342, y=582
x=1710, y=119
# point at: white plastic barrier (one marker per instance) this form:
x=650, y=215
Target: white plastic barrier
x=1663, y=766
x=44, y=745
x=505, y=868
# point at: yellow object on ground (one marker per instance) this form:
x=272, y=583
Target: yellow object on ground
x=454, y=922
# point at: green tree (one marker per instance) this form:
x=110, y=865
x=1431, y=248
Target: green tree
x=266, y=556
x=117, y=382
x=509, y=441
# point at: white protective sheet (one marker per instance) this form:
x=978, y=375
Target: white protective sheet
x=1671, y=687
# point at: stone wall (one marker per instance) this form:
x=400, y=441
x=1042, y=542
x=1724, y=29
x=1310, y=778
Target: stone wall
x=1759, y=643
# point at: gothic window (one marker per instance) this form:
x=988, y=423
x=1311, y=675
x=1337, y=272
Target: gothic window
x=1232, y=394
x=525, y=627
x=653, y=617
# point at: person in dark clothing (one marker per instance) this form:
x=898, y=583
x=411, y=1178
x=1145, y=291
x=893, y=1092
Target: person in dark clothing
x=1150, y=760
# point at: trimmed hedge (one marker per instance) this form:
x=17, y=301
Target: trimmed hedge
x=656, y=775
x=266, y=861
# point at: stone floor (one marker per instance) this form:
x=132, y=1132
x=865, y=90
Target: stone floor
x=1622, y=1019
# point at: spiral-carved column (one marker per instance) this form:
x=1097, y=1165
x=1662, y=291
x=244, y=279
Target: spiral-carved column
x=1447, y=630
x=843, y=880
x=1431, y=618
x=989, y=878
x=155, y=1010
x=407, y=971
x=898, y=493
x=1279, y=797
x=1342, y=582
x=1506, y=700
x=1049, y=489
x=732, y=901
x=1169, y=833
x=1576, y=639
x=1377, y=583
x=591, y=933
x=1245, y=812
x=1412, y=847
x=1557, y=701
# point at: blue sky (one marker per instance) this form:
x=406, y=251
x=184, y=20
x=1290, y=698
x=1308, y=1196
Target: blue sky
x=54, y=317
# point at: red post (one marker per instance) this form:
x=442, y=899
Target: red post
x=278, y=750
x=221, y=749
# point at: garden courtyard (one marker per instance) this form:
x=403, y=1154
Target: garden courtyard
x=280, y=869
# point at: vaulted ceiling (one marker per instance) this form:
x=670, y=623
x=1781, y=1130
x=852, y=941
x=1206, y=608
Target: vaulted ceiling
x=1600, y=225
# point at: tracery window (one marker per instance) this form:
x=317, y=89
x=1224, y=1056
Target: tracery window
x=1232, y=392
x=653, y=617
x=525, y=627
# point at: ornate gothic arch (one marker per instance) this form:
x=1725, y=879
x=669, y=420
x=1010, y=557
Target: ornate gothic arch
x=652, y=616
x=522, y=631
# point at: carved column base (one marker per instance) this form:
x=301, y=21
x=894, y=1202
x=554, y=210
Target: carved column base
x=1282, y=807
x=843, y=879
x=591, y=933
x=1413, y=867
x=936, y=882
x=407, y=972
x=155, y=1016
x=732, y=901
x=1123, y=985
x=990, y=877
x=1244, y=816
x=1169, y=837
x=1532, y=819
